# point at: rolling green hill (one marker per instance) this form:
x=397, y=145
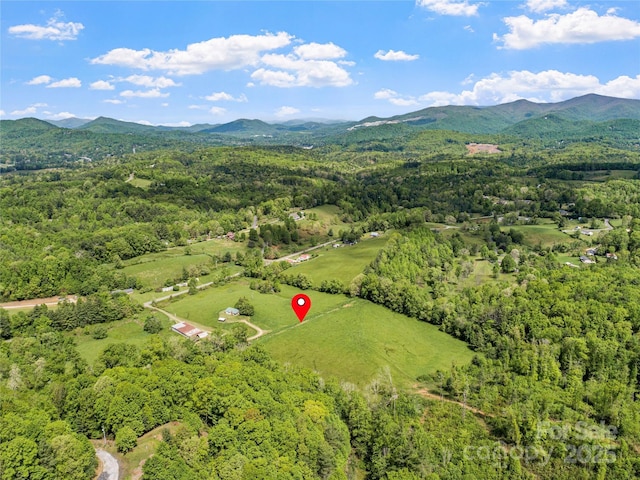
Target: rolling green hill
x=31, y=143
x=109, y=125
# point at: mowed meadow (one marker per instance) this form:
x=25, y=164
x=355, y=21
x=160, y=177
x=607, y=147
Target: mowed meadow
x=341, y=263
x=155, y=269
x=348, y=338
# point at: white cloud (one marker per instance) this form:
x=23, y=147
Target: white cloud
x=230, y=53
x=101, y=85
x=224, y=96
x=582, y=26
x=385, y=94
x=622, y=87
x=319, y=51
x=197, y=107
x=393, y=56
x=114, y=101
x=143, y=122
x=395, y=98
x=39, y=80
x=62, y=116
x=164, y=104
x=469, y=28
x=545, y=86
x=55, y=29
x=27, y=111
x=293, y=71
x=153, y=93
x=539, y=6
x=307, y=65
x=2, y=114
x=450, y=7
x=403, y=102
x=30, y=110
x=72, y=82
x=274, y=78
x=178, y=124
x=286, y=111
x=147, y=81
x=217, y=110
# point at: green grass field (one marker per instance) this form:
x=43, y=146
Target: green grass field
x=359, y=339
x=328, y=218
x=545, y=234
x=154, y=269
x=351, y=339
x=342, y=263
x=141, y=183
x=124, y=331
x=272, y=311
x=604, y=175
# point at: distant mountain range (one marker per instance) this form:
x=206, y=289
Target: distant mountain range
x=469, y=119
x=586, y=118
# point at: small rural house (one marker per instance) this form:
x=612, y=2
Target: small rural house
x=232, y=311
x=189, y=331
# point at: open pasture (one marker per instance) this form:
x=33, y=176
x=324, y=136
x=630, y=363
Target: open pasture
x=341, y=263
x=359, y=340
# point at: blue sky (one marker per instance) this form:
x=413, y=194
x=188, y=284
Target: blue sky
x=180, y=63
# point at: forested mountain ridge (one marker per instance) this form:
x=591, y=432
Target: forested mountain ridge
x=578, y=119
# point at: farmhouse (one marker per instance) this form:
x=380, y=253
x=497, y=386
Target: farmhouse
x=232, y=311
x=303, y=258
x=587, y=260
x=189, y=331
x=374, y=234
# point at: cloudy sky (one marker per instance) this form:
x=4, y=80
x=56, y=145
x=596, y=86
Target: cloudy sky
x=180, y=63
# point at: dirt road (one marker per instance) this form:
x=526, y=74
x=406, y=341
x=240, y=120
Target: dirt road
x=267, y=262
x=49, y=301
x=427, y=394
x=110, y=468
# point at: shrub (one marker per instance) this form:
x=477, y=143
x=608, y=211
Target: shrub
x=152, y=325
x=126, y=439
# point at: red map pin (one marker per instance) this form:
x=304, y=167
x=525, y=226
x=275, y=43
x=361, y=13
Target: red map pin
x=301, y=305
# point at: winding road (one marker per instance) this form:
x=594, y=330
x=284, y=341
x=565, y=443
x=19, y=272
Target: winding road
x=110, y=468
x=150, y=305
x=259, y=332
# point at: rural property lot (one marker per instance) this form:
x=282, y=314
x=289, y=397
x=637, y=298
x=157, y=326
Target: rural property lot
x=352, y=339
x=341, y=263
x=358, y=340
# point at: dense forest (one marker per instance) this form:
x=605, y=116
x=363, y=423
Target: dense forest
x=481, y=246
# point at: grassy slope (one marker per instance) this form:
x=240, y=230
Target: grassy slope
x=273, y=312
x=154, y=269
x=124, y=331
x=341, y=263
x=545, y=234
x=351, y=339
x=360, y=339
